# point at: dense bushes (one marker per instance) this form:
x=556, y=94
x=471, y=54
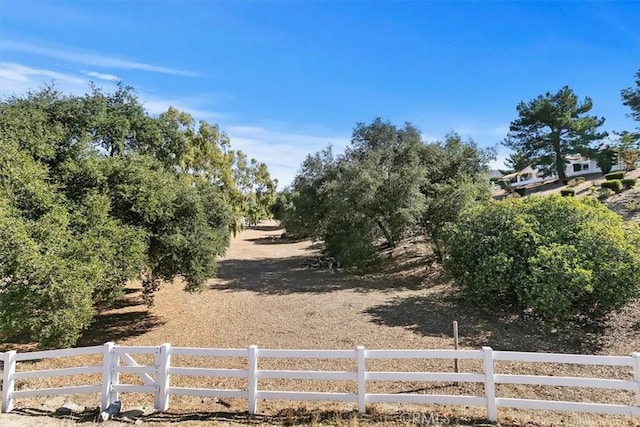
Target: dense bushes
x=558, y=257
x=614, y=184
x=614, y=175
x=628, y=182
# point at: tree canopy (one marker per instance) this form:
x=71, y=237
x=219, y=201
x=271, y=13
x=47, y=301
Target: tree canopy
x=388, y=184
x=95, y=192
x=631, y=98
x=552, y=126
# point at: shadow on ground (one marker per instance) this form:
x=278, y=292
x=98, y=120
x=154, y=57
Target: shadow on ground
x=282, y=276
x=429, y=314
x=265, y=227
x=285, y=417
x=118, y=326
x=272, y=240
x=433, y=315
x=87, y=416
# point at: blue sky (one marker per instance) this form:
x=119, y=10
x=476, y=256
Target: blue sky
x=286, y=78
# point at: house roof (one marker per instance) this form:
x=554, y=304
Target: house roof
x=509, y=176
x=524, y=171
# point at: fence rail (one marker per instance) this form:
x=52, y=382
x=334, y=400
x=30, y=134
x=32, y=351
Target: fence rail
x=156, y=377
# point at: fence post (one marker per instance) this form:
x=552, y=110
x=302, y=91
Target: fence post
x=253, y=379
x=636, y=375
x=115, y=376
x=161, y=402
x=362, y=373
x=8, y=383
x=489, y=384
x=3, y=360
x=107, y=354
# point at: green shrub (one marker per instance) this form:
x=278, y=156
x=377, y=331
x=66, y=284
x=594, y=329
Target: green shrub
x=604, y=193
x=629, y=182
x=614, y=184
x=576, y=181
x=614, y=175
x=565, y=192
x=558, y=257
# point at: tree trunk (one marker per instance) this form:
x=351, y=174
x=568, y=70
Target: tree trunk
x=560, y=169
x=386, y=233
x=559, y=164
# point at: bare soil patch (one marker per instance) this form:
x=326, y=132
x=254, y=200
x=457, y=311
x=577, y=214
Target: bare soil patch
x=264, y=295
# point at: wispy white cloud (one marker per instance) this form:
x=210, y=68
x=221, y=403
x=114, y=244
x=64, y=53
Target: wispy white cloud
x=103, y=76
x=495, y=131
x=156, y=105
x=99, y=60
x=282, y=151
x=16, y=79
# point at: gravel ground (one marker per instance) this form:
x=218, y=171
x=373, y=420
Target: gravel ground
x=265, y=296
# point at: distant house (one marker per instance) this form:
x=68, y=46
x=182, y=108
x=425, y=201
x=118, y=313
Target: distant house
x=577, y=165
x=524, y=177
x=574, y=166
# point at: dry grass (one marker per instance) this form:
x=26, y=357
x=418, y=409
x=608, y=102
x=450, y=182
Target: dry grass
x=264, y=296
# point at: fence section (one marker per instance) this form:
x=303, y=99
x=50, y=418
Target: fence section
x=156, y=375
x=11, y=375
x=597, y=383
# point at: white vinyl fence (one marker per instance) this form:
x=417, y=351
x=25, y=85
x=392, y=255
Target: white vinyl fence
x=157, y=376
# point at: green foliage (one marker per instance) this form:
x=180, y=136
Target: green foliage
x=187, y=223
x=455, y=172
x=606, y=157
x=559, y=257
x=568, y=192
x=576, y=181
x=255, y=189
x=352, y=241
x=604, y=193
x=387, y=185
x=515, y=162
x=552, y=126
x=308, y=207
x=95, y=193
x=629, y=146
x=629, y=182
x=631, y=98
x=43, y=290
x=614, y=175
x=628, y=150
x=614, y=184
